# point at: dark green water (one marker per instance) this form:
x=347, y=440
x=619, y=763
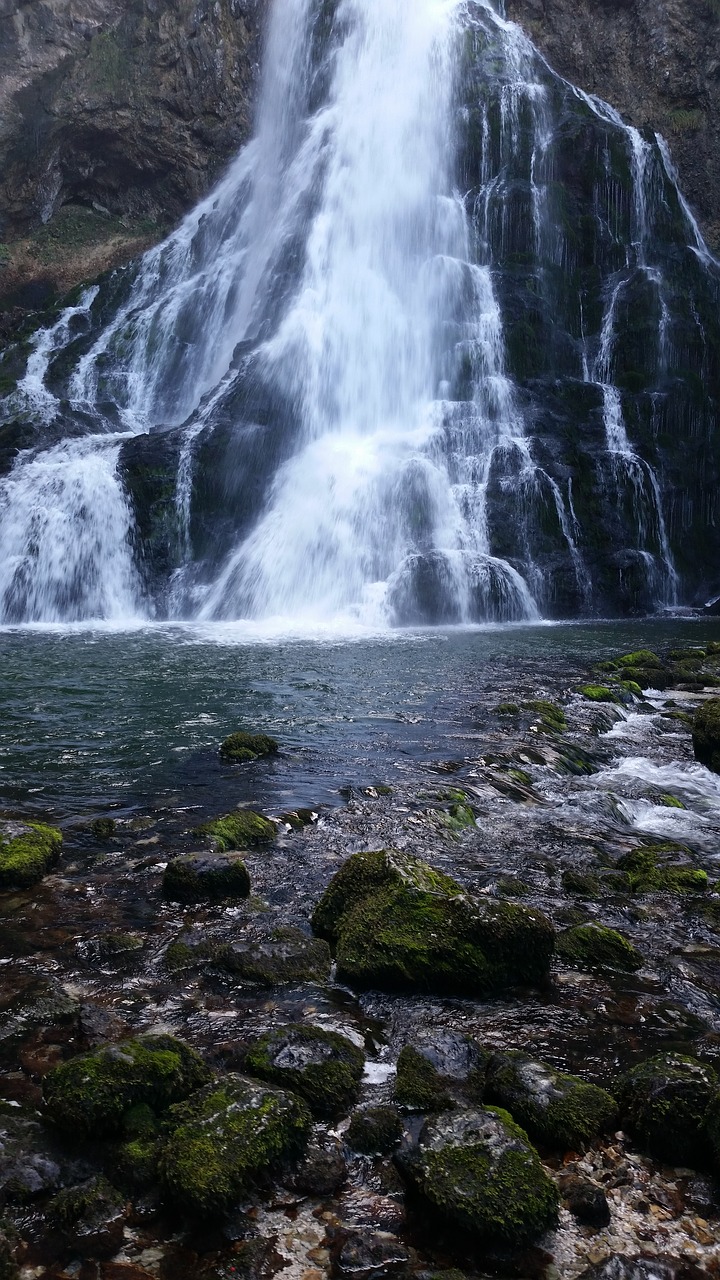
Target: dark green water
x=93, y=720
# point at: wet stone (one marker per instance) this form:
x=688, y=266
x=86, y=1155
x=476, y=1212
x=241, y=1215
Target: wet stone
x=30, y=1166
x=586, y=1201
x=364, y=1255
x=665, y=1103
x=557, y=1109
x=322, y=1171
x=619, y=1267
x=375, y=1130
x=324, y=1067
x=27, y=851
x=204, y=877
x=478, y=1172
x=90, y=1218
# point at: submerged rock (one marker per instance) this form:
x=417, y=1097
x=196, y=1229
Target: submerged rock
x=418, y=1085
x=595, y=947
x=397, y=923
x=478, y=1171
x=436, y=1068
x=706, y=734
x=27, y=851
x=262, y=955
x=204, y=877
x=89, y=1096
x=238, y=830
x=90, y=1218
x=228, y=1138
x=665, y=1104
x=375, y=1130
x=242, y=747
x=556, y=1109
x=324, y=1067
x=646, y=870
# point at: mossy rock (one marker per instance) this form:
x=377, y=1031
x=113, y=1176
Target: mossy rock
x=239, y=830
x=137, y=1163
x=644, y=872
x=552, y=717
x=227, y=1139
x=242, y=747
x=103, y=828
x=513, y=887
x=598, y=948
x=266, y=957
x=556, y=1109
x=374, y=1131
x=418, y=1085
x=644, y=658
x=706, y=734
x=583, y=883
x=324, y=1067
x=665, y=1103
x=477, y=1171
x=398, y=924
x=27, y=851
x=90, y=1217
x=202, y=877
x=600, y=693
x=89, y=1096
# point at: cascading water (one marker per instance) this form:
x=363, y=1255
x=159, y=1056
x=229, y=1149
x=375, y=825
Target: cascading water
x=340, y=388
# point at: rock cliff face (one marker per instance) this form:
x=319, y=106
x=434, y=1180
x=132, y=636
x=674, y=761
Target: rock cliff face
x=658, y=63
x=115, y=117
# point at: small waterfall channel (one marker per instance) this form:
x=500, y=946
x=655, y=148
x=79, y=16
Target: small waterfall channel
x=376, y=374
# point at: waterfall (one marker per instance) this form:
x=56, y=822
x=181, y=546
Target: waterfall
x=351, y=352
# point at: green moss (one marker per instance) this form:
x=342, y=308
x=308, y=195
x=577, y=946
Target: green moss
x=665, y=1104
x=418, y=1085
x=643, y=873
x=27, y=851
x=190, y=878
x=631, y=686
x=242, y=747
x=103, y=828
x=238, y=830
x=599, y=693
x=137, y=1164
x=640, y=658
x=512, y=887
x=459, y=817
x=226, y=1140
x=485, y=1178
x=397, y=924
x=374, y=1131
x=557, y=1109
x=324, y=1067
x=585, y=884
x=671, y=802
x=507, y=709
x=595, y=947
x=90, y=1095
x=706, y=734
x=552, y=717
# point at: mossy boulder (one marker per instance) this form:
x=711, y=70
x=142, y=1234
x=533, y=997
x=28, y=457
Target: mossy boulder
x=398, y=924
x=228, y=1138
x=600, y=693
x=478, y=1172
x=240, y=830
x=665, y=1104
x=262, y=955
x=375, y=1131
x=644, y=658
x=556, y=1109
x=596, y=947
x=89, y=1096
x=582, y=883
x=324, y=1067
x=27, y=851
x=647, y=870
x=242, y=747
x=418, y=1085
x=203, y=877
x=551, y=717
x=90, y=1218
x=706, y=734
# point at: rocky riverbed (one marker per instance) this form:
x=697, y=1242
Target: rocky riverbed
x=264, y=1046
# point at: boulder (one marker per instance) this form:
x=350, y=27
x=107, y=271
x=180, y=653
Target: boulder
x=29, y=1165
x=398, y=924
x=595, y=947
x=322, y=1171
x=665, y=1104
x=90, y=1218
x=265, y=956
x=239, y=830
x=586, y=1201
x=375, y=1130
x=27, y=851
x=89, y=1096
x=206, y=877
x=706, y=734
x=557, y=1109
x=365, y=1254
x=243, y=747
x=325, y=1068
x=478, y=1172
x=228, y=1138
